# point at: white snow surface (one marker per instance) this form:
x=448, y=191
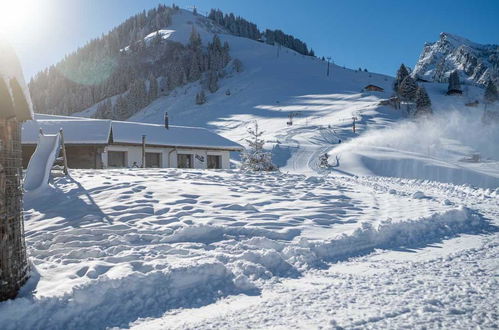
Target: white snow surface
x=147, y=248
x=399, y=232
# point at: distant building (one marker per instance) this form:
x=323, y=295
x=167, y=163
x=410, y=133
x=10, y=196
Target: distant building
x=473, y=104
x=98, y=143
x=373, y=88
x=454, y=92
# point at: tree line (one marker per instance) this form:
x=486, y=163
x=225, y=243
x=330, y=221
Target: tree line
x=127, y=69
x=243, y=28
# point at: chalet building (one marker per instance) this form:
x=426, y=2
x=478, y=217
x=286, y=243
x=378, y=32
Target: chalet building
x=373, y=88
x=100, y=144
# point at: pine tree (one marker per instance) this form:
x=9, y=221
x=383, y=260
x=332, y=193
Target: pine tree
x=194, y=39
x=454, y=83
x=121, y=108
x=490, y=95
x=213, y=81
x=255, y=158
x=423, y=102
x=200, y=98
x=153, y=88
x=402, y=73
x=408, y=89
x=194, y=70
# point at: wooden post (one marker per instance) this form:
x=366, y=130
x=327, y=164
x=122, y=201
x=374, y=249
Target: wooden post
x=65, y=159
x=353, y=126
x=143, y=151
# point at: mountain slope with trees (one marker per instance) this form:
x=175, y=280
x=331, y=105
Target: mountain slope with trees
x=135, y=63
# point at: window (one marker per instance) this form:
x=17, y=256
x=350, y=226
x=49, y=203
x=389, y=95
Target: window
x=184, y=161
x=152, y=159
x=116, y=158
x=214, y=161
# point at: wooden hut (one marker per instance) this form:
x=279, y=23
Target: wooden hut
x=15, y=107
x=373, y=88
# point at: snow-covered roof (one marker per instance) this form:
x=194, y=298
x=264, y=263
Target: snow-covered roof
x=76, y=130
x=10, y=67
x=84, y=131
x=180, y=136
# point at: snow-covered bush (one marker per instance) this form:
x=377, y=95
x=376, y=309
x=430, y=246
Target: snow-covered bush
x=255, y=158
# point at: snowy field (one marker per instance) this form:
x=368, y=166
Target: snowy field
x=170, y=248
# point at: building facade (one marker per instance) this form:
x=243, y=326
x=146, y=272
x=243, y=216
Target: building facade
x=101, y=144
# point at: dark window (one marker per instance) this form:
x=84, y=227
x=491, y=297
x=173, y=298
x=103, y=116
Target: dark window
x=116, y=158
x=184, y=161
x=152, y=159
x=214, y=161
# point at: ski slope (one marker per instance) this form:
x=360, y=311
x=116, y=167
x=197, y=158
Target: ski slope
x=41, y=162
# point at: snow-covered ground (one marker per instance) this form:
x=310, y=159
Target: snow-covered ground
x=185, y=248
x=370, y=242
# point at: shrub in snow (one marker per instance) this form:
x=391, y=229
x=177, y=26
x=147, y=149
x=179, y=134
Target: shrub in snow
x=238, y=65
x=255, y=158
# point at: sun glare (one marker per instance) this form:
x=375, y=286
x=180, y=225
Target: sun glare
x=16, y=14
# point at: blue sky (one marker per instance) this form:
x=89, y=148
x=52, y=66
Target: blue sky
x=377, y=35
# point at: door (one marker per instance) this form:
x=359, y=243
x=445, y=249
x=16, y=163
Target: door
x=116, y=159
x=214, y=162
x=152, y=159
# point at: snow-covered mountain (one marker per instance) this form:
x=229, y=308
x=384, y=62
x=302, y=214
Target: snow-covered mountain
x=476, y=63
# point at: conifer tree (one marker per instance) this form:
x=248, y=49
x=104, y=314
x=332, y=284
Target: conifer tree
x=423, y=102
x=194, y=70
x=153, y=88
x=490, y=95
x=454, y=83
x=402, y=73
x=407, y=89
x=200, y=98
x=213, y=81
x=255, y=158
x=194, y=39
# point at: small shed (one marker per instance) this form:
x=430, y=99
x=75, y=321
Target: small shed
x=373, y=88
